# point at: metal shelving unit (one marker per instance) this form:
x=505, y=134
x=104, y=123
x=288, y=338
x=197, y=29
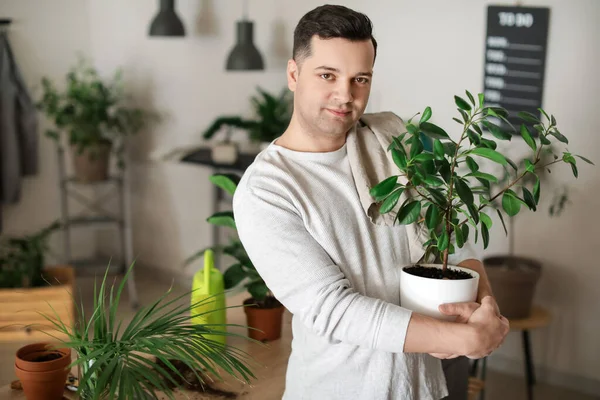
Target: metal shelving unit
x=95, y=214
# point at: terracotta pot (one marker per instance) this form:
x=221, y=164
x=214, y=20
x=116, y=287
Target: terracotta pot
x=43, y=380
x=268, y=321
x=91, y=165
x=513, y=280
x=26, y=356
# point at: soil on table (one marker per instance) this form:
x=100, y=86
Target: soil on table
x=437, y=273
x=191, y=381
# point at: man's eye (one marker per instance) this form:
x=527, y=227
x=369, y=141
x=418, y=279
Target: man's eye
x=362, y=80
x=327, y=77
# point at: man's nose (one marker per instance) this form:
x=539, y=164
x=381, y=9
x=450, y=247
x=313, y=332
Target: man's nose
x=343, y=92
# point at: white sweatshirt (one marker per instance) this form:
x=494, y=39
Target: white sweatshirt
x=300, y=219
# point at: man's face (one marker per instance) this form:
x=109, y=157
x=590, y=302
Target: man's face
x=331, y=87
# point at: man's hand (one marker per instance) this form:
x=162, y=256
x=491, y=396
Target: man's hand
x=463, y=312
x=489, y=329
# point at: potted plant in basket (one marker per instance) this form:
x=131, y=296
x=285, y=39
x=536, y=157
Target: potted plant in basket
x=264, y=312
x=28, y=285
x=272, y=116
x=158, y=350
x=444, y=191
x=93, y=115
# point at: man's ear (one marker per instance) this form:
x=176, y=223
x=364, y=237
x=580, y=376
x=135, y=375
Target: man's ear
x=293, y=71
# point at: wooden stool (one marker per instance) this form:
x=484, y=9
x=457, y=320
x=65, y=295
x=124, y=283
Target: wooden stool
x=539, y=318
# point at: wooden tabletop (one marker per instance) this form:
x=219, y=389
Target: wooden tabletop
x=539, y=318
x=269, y=364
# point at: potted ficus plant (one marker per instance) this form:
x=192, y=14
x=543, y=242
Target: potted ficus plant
x=92, y=112
x=444, y=191
x=264, y=312
x=145, y=357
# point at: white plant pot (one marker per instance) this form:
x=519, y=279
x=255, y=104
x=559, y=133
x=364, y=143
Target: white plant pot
x=224, y=153
x=424, y=295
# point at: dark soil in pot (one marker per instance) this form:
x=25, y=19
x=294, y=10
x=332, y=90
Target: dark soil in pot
x=437, y=273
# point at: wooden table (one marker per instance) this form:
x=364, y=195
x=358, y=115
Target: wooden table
x=269, y=364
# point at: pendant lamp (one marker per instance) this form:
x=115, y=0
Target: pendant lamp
x=245, y=56
x=166, y=22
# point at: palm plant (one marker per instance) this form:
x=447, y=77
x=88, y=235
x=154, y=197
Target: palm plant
x=135, y=360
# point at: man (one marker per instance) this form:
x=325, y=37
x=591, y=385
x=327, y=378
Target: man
x=300, y=219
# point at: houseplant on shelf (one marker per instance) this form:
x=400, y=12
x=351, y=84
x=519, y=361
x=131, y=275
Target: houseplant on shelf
x=145, y=358
x=272, y=114
x=437, y=190
x=264, y=312
x=93, y=114
x=28, y=285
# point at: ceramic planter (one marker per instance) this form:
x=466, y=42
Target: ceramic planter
x=92, y=164
x=424, y=295
x=42, y=371
x=266, y=322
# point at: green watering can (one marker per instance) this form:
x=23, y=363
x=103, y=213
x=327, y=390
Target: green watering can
x=208, y=288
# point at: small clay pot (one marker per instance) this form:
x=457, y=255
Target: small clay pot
x=28, y=357
x=44, y=379
x=265, y=321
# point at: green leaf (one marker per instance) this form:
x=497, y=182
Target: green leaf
x=485, y=219
x=544, y=112
x=464, y=192
x=552, y=120
x=416, y=146
x=409, y=213
x=437, y=195
x=458, y=121
x=438, y=149
x=473, y=137
x=528, y=117
x=559, y=136
x=483, y=175
x=502, y=220
x=461, y=103
x=399, y=159
x=424, y=157
x=527, y=137
x=585, y=159
x=391, y=201
x=433, y=180
x=233, y=276
x=426, y=115
x=512, y=164
x=465, y=232
x=450, y=148
x=477, y=129
x=575, y=171
x=473, y=166
x=433, y=131
x=258, y=290
x=222, y=218
x=474, y=212
x=529, y=199
x=432, y=217
x=227, y=182
x=544, y=140
x=485, y=234
x=489, y=154
x=470, y=96
x=412, y=129
x=536, y=191
x=384, y=188
x=443, y=241
x=481, y=99
x=510, y=203
x=490, y=144
x=460, y=240
x=464, y=115
x=529, y=166
x=496, y=131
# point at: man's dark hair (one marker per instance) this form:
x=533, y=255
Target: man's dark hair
x=328, y=22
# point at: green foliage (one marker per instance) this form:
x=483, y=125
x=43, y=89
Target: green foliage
x=242, y=271
x=22, y=259
x=272, y=117
x=119, y=360
x=90, y=110
x=445, y=189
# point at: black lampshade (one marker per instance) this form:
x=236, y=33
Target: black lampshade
x=166, y=22
x=245, y=56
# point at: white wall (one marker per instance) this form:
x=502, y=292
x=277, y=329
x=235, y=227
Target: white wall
x=45, y=37
x=428, y=52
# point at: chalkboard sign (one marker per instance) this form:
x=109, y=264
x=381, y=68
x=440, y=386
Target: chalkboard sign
x=515, y=59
